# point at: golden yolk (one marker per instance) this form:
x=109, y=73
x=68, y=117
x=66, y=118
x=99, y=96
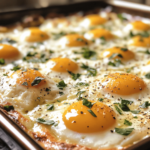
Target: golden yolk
x=95, y=19
x=77, y=117
x=28, y=77
x=139, y=25
x=36, y=35
x=126, y=55
x=64, y=65
x=148, y=62
x=8, y=51
x=75, y=40
x=98, y=33
x=141, y=41
x=123, y=84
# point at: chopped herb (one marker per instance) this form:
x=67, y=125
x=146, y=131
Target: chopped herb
x=124, y=104
x=61, y=85
x=2, y=61
x=16, y=68
x=124, y=131
x=91, y=112
x=5, y=74
x=42, y=56
x=91, y=71
x=76, y=59
x=135, y=117
x=31, y=54
x=61, y=93
x=34, y=47
x=124, y=49
x=115, y=55
x=47, y=122
x=135, y=111
x=87, y=103
x=128, y=123
x=25, y=83
x=143, y=34
x=145, y=105
x=129, y=69
x=8, y=40
x=86, y=53
x=116, y=63
x=36, y=81
x=74, y=76
x=145, y=52
x=79, y=94
x=50, y=51
x=118, y=109
x=147, y=75
x=100, y=99
x=131, y=34
x=80, y=40
x=9, y=107
x=58, y=35
x=82, y=84
x=50, y=107
x=121, y=17
x=66, y=103
x=103, y=38
x=58, y=101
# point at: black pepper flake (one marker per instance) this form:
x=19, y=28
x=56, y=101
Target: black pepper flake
x=81, y=112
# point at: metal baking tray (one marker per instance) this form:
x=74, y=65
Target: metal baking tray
x=65, y=8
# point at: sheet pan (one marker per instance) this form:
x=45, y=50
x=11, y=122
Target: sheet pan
x=7, y=18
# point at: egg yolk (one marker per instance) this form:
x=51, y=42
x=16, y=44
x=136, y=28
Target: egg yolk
x=125, y=54
x=78, y=118
x=99, y=33
x=148, y=63
x=139, y=25
x=36, y=35
x=8, y=51
x=26, y=78
x=64, y=65
x=123, y=84
x=141, y=41
x=72, y=40
x=95, y=19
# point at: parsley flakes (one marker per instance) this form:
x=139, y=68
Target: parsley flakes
x=47, y=122
x=9, y=107
x=124, y=131
x=36, y=81
x=2, y=61
x=91, y=71
x=91, y=112
x=61, y=85
x=74, y=76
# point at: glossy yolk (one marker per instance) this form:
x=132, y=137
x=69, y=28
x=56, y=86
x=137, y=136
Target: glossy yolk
x=77, y=118
x=123, y=84
x=148, y=63
x=64, y=65
x=126, y=55
x=75, y=40
x=95, y=19
x=98, y=33
x=139, y=25
x=141, y=41
x=8, y=51
x=28, y=76
x=36, y=35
